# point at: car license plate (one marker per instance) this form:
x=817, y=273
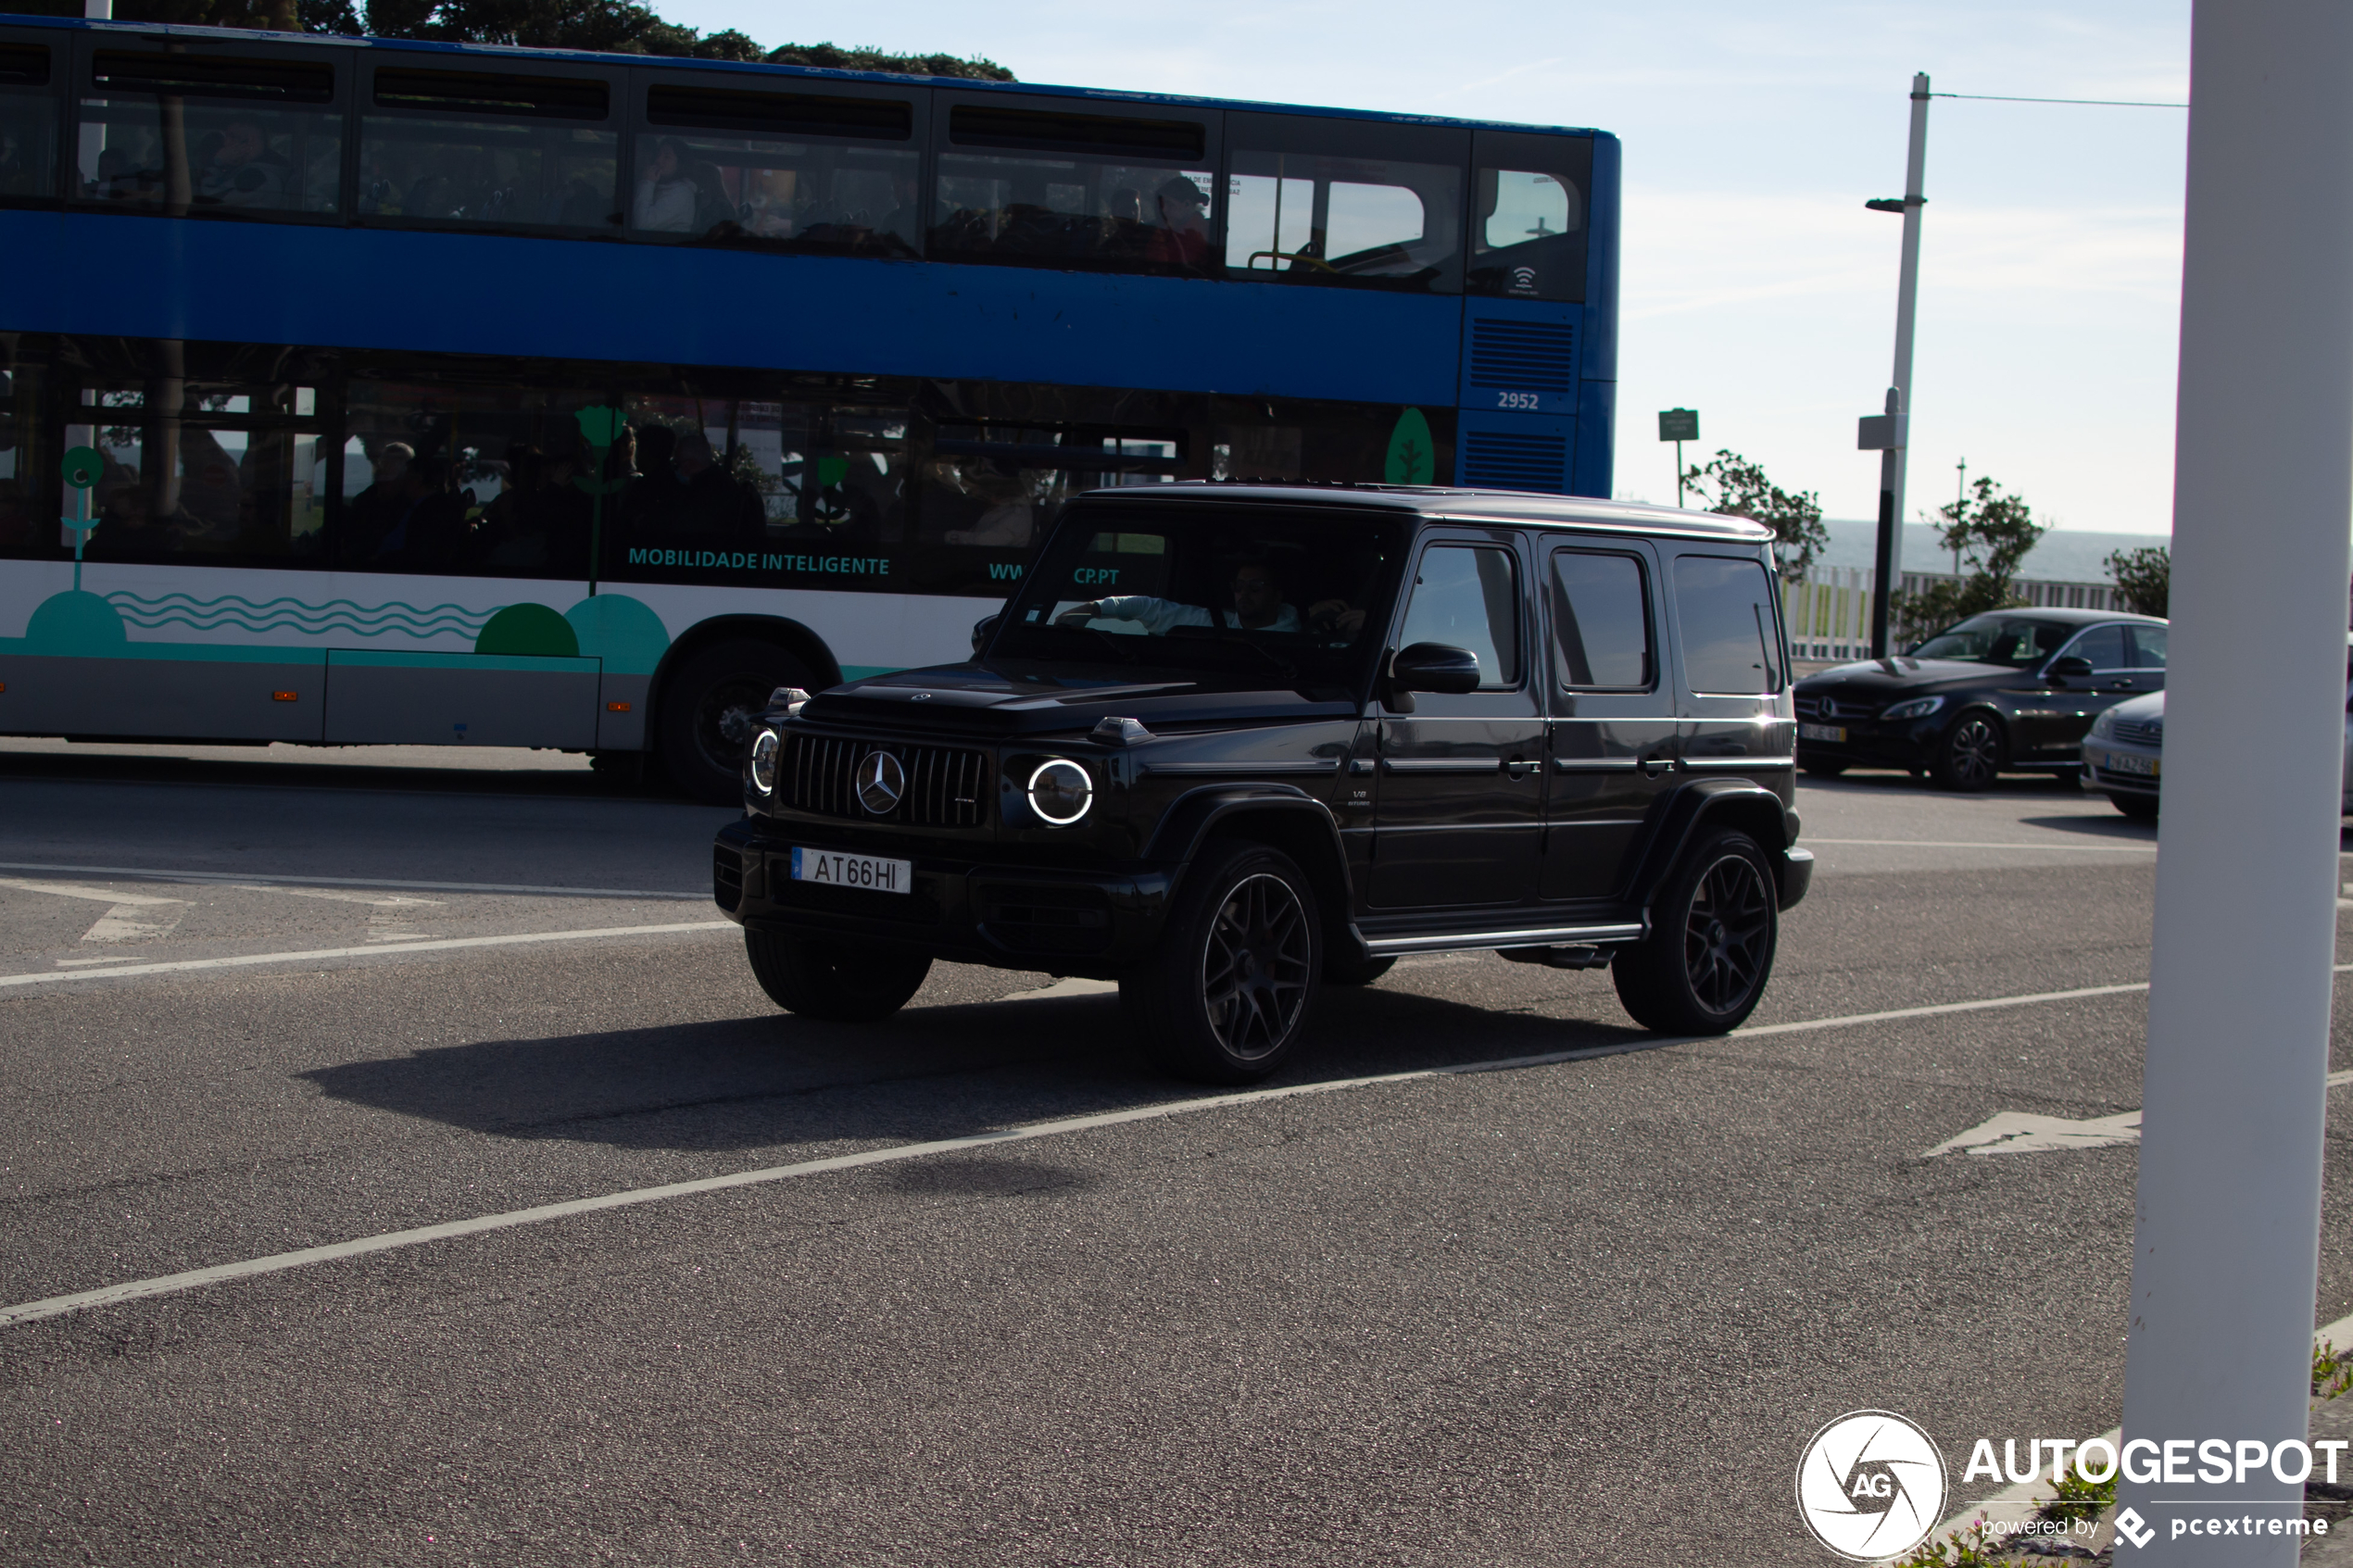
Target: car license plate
x=1832, y=733
x=2129, y=762
x=832, y=870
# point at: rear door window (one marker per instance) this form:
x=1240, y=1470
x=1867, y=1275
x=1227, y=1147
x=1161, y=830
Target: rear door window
x=2104, y=646
x=2148, y=647
x=1724, y=614
x=1600, y=623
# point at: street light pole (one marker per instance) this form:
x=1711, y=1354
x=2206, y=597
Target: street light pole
x=1890, y=557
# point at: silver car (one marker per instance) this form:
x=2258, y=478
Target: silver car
x=2121, y=754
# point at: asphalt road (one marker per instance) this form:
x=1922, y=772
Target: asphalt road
x=1587, y=1311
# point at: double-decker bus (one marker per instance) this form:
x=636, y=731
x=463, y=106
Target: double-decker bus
x=440, y=393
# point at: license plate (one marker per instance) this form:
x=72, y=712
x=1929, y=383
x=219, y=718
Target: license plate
x=833, y=869
x=2131, y=762
x=1832, y=732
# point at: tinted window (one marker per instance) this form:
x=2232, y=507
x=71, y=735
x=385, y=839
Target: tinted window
x=1601, y=628
x=210, y=134
x=1528, y=215
x=28, y=123
x=1075, y=191
x=2148, y=647
x=1339, y=202
x=2104, y=646
x=1997, y=639
x=1467, y=597
x=798, y=172
x=1724, y=610
x=199, y=468
x=504, y=150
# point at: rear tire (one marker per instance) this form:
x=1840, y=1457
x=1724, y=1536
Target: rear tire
x=710, y=709
x=1969, y=756
x=1713, y=928
x=1225, y=995
x=2139, y=808
x=840, y=982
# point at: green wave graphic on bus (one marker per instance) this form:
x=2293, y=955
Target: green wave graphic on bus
x=231, y=611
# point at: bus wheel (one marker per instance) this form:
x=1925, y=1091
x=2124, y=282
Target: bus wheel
x=710, y=709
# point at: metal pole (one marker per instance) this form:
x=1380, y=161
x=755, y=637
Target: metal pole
x=1888, y=562
x=1907, y=290
x=2225, y=1243
x=1679, y=474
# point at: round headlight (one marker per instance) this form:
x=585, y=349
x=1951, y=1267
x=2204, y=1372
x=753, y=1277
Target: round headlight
x=1059, y=792
x=764, y=748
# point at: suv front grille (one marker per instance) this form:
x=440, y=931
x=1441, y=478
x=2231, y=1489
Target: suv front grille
x=942, y=783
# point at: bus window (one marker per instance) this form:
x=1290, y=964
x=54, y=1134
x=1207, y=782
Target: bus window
x=25, y=529
x=210, y=133
x=503, y=151
x=202, y=470
x=28, y=123
x=1000, y=485
x=1072, y=190
x=824, y=178
x=1341, y=202
x=1528, y=217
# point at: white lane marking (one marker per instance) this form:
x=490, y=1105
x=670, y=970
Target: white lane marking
x=240, y=878
x=2021, y=1132
x=122, y=923
x=248, y=960
x=395, y=901
x=1948, y=843
x=111, y=957
x=278, y=1263
x=1071, y=987
x=95, y=895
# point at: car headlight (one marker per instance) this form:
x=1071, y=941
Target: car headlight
x=2105, y=725
x=764, y=748
x=1059, y=792
x=1919, y=708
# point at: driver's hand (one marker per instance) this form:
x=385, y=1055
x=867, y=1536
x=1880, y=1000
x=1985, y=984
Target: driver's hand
x=1335, y=615
x=1077, y=616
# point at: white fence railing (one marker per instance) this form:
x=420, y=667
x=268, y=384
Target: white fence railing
x=1829, y=611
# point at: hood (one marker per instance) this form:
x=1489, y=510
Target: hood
x=1015, y=699
x=1889, y=676
x=2140, y=709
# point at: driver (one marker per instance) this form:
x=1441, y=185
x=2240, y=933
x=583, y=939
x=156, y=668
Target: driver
x=1258, y=606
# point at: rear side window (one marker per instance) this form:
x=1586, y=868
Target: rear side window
x=1601, y=626
x=1467, y=597
x=505, y=151
x=2148, y=647
x=1724, y=609
x=2104, y=646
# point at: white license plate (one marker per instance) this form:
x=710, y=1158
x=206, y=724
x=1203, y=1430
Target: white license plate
x=1832, y=732
x=2130, y=762
x=832, y=870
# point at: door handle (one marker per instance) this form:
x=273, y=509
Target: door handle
x=1516, y=766
x=1653, y=766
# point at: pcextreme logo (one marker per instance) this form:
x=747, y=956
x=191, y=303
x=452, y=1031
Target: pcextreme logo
x=1871, y=1486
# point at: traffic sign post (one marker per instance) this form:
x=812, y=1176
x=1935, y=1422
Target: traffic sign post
x=1679, y=425
x=1885, y=434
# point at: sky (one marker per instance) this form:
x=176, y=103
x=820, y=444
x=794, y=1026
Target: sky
x=1755, y=287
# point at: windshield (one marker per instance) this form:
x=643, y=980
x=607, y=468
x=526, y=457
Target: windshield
x=1293, y=600
x=1997, y=639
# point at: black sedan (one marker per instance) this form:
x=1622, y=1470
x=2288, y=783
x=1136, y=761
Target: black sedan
x=2011, y=689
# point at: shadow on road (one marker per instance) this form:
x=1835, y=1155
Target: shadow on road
x=778, y=1082
x=2123, y=829
x=1859, y=781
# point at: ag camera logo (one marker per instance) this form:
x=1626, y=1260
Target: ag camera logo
x=1871, y=1486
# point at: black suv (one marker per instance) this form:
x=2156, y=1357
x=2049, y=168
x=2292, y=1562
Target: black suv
x=1228, y=743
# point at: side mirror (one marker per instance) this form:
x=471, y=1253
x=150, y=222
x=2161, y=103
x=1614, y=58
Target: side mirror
x=982, y=628
x=2069, y=668
x=1434, y=666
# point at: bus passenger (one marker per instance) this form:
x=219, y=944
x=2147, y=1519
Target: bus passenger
x=1183, y=235
x=666, y=196
x=241, y=170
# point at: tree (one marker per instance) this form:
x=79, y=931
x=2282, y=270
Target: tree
x=2144, y=577
x=1731, y=484
x=1992, y=532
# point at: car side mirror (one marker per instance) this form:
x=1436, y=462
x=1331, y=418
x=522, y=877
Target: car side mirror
x=2069, y=668
x=1434, y=666
x=982, y=628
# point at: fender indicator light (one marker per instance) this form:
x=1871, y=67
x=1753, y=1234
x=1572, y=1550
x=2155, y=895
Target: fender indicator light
x=610, y=707
x=282, y=696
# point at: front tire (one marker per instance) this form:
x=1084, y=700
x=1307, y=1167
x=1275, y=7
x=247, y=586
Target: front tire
x=710, y=709
x=1225, y=997
x=1969, y=756
x=840, y=982
x=2140, y=808
x=1713, y=928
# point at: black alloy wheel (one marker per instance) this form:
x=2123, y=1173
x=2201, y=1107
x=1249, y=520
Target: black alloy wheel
x=1969, y=756
x=1714, y=929
x=1225, y=995
x=709, y=712
x=841, y=982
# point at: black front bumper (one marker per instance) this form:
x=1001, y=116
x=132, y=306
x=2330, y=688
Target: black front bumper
x=1011, y=915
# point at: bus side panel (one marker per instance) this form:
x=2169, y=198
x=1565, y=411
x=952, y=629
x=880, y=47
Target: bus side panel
x=279, y=696
x=1596, y=438
x=460, y=699
x=1597, y=392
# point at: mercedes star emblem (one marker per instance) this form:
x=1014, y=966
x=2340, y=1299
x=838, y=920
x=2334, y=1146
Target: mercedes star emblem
x=880, y=781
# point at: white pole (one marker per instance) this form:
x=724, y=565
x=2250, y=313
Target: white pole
x=2225, y=1246
x=1889, y=557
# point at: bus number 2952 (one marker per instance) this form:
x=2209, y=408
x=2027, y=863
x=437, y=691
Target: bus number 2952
x=1516, y=400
